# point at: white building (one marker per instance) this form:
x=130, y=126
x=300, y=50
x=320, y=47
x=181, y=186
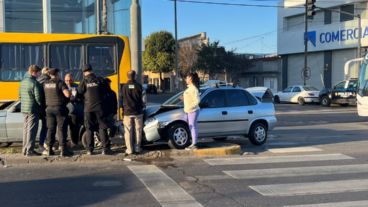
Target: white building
x=333, y=39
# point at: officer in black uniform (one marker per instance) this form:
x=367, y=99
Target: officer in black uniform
x=94, y=90
x=56, y=94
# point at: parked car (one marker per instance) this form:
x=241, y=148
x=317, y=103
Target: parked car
x=225, y=111
x=343, y=93
x=11, y=124
x=298, y=94
x=264, y=94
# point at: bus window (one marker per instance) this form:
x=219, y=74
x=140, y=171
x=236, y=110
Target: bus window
x=363, y=80
x=15, y=59
x=68, y=58
x=101, y=58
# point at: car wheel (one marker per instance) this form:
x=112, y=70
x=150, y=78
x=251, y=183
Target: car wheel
x=277, y=99
x=6, y=144
x=179, y=136
x=325, y=101
x=220, y=138
x=301, y=101
x=258, y=134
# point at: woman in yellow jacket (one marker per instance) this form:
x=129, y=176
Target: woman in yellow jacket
x=191, y=106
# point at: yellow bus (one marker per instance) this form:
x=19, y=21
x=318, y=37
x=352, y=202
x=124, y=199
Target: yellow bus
x=109, y=56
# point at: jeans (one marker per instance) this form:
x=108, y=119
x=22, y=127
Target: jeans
x=30, y=129
x=43, y=132
x=193, y=125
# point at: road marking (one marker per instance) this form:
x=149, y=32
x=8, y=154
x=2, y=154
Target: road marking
x=312, y=188
x=294, y=149
x=297, y=171
x=276, y=159
x=338, y=204
x=165, y=190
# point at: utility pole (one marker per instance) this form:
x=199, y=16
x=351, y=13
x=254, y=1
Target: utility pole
x=136, y=38
x=176, y=50
x=309, y=13
x=98, y=17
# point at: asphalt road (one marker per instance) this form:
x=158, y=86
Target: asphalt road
x=315, y=155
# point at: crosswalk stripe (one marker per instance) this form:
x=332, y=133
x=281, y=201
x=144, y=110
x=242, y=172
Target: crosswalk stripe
x=337, y=204
x=312, y=188
x=294, y=149
x=165, y=190
x=297, y=171
x=276, y=159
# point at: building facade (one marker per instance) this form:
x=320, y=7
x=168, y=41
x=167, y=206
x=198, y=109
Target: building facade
x=333, y=37
x=262, y=71
x=63, y=16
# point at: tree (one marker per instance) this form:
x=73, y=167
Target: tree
x=234, y=65
x=159, y=54
x=187, y=58
x=211, y=59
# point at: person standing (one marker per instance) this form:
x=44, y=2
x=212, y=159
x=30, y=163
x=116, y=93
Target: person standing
x=191, y=106
x=42, y=79
x=31, y=102
x=110, y=108
x=75, y=109
x=133, y=106
x=94, y=90
x=56, y=94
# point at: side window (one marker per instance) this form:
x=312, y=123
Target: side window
x=214, y=99
x=296, y=90
x=287, y=90
x=236, y=98
x=68, y=58
x=101, y=58
x=352, y=85
x=15, y=59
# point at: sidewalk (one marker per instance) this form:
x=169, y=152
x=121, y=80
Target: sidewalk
x=12, y=156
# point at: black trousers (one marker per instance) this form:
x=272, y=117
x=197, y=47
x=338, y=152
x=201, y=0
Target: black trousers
x=73, y=129
x=56, y=117
x=96, y=121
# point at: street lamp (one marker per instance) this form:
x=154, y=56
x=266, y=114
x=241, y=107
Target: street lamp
x=176, y=82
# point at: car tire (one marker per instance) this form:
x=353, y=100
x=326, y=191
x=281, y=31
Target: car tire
x=325, y=101
x=258, y=134
x=301, y=101
x=179, y=136
x=277, y=99
x=218, y=139
x=6, y=144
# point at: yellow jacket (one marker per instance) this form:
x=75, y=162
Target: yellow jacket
x=191, y=99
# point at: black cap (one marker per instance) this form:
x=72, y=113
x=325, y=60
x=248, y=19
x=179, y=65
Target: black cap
x=53, y=71
x=87, y=67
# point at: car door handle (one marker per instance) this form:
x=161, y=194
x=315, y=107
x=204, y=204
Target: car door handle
x=224, y=113
x=250, y=112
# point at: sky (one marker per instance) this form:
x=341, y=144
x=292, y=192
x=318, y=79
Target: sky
x=240, y=28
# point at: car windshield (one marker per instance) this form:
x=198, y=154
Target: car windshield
x=176, y=100
x=310, y=88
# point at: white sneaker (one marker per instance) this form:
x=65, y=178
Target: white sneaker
x=191, y=147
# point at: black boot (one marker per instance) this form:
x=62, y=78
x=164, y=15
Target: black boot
x=64, y=152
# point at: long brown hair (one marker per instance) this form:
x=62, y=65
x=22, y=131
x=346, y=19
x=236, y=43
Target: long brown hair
x=195, y=79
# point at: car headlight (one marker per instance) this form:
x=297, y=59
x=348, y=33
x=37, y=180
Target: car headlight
x=150, y=121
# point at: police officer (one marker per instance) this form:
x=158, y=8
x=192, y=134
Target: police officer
x=56, y=94
x=94, y=90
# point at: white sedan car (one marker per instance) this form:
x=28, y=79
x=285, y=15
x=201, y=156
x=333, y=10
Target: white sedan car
x=298, y=94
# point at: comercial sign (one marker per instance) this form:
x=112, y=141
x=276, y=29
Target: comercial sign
x=340, y=36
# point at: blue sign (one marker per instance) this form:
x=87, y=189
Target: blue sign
x=336, y=36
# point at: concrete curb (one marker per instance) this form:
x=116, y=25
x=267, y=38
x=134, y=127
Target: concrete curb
x=206, y=149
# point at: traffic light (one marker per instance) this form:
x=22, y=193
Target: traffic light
x=311, y=8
